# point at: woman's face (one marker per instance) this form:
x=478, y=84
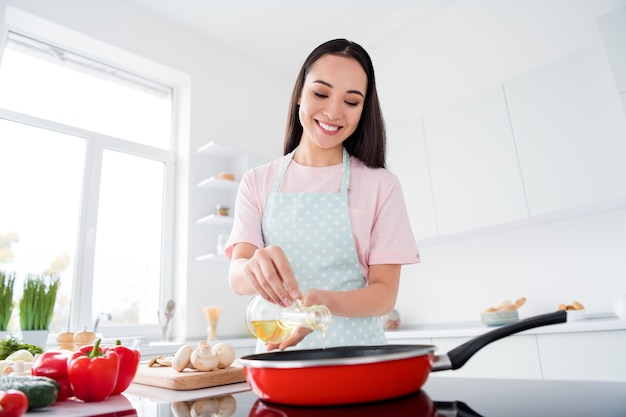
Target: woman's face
x=331, y=101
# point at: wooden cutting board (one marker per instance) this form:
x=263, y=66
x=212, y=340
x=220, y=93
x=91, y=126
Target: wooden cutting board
x=166, y=377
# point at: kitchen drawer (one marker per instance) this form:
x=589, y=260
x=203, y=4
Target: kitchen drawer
x=590, y=356
x=511, y=357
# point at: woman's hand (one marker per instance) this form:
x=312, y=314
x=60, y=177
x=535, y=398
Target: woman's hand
x=311, y=297
x=293, y=340
x=269, y=273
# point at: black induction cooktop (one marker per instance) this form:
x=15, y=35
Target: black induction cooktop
x=440, y=396
x=452, y=396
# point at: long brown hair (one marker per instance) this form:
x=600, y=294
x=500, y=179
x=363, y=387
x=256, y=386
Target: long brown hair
x=369, y=141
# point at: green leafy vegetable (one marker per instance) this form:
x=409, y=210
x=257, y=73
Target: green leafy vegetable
x=13, y=344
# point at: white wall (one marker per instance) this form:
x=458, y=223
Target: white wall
x=450, y=53
x=582, y=258
x=455, y=52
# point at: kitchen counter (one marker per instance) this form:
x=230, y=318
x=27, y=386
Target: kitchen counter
x=590, y=323
x=246, y=345
x=544, y=353
x=462, y=396
x=508, y=394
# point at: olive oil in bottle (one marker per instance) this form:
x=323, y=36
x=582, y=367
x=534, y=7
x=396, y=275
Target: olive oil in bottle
x=272, y=323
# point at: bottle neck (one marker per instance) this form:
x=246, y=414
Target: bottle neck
x=315, y=317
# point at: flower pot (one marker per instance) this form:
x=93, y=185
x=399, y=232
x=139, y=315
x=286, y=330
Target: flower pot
x=35, y=337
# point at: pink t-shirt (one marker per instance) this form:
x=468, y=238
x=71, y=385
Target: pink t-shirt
x=380, y=223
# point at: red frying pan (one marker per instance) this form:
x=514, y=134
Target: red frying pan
x=357, y=374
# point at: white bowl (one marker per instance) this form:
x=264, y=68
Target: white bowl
x=575, y=315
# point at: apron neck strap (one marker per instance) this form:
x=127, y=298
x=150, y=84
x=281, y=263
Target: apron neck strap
x=345, y=180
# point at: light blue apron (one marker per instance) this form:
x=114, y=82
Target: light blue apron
x=313, y=229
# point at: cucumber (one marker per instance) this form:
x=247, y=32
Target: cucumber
x=41, y=391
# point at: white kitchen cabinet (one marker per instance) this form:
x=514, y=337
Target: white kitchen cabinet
x=211, y=191
x=590, y=350
x=569, y=128
x=613, y=30
x=512, y=357
x=589, y=356
x=408, y=160
x=475, y=175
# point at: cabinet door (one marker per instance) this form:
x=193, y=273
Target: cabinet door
x=474, y=170
x=590, y=356
x=613, y=30
x=407, y=159
x=512, y=357
x=569, y=127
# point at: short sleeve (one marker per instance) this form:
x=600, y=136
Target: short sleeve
x=248, y=216
x=391, y=239
x=249, y=206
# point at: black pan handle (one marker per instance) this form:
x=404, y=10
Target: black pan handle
x=461, y=354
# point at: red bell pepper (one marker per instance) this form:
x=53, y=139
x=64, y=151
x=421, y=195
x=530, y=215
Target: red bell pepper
x=129, y=363
x=53, y=364
x=93, y=374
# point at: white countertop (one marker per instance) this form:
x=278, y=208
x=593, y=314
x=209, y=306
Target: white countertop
x=126, y=401
x=164, y=395
x=590, y=323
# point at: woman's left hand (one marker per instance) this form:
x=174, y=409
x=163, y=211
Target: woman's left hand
x=293, y=340
x=311, y=297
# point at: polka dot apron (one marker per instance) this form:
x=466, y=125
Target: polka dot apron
x=313, y=229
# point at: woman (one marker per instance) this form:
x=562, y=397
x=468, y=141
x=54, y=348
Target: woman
x=326, y=223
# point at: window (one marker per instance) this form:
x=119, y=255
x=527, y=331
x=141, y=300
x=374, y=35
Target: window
x=86, y=153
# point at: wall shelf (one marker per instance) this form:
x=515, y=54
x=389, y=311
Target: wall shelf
x=211, y=191
x=218, y=184
x=212, y=257
x=214, y=219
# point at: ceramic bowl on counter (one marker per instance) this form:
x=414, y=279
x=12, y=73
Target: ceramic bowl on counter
x=499, y=318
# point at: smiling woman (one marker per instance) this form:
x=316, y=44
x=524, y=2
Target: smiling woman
x=85, y=151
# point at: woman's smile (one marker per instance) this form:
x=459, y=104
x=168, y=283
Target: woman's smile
x=328, y=128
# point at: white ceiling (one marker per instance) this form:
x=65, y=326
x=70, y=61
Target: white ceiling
x=281, y=33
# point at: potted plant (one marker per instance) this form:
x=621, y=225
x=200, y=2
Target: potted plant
x=36, y=307
x=6, y=301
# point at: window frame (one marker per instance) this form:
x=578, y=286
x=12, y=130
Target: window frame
x=96, y=144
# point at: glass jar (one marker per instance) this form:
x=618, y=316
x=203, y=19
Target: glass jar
x=222, y=210
x=273, y=323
